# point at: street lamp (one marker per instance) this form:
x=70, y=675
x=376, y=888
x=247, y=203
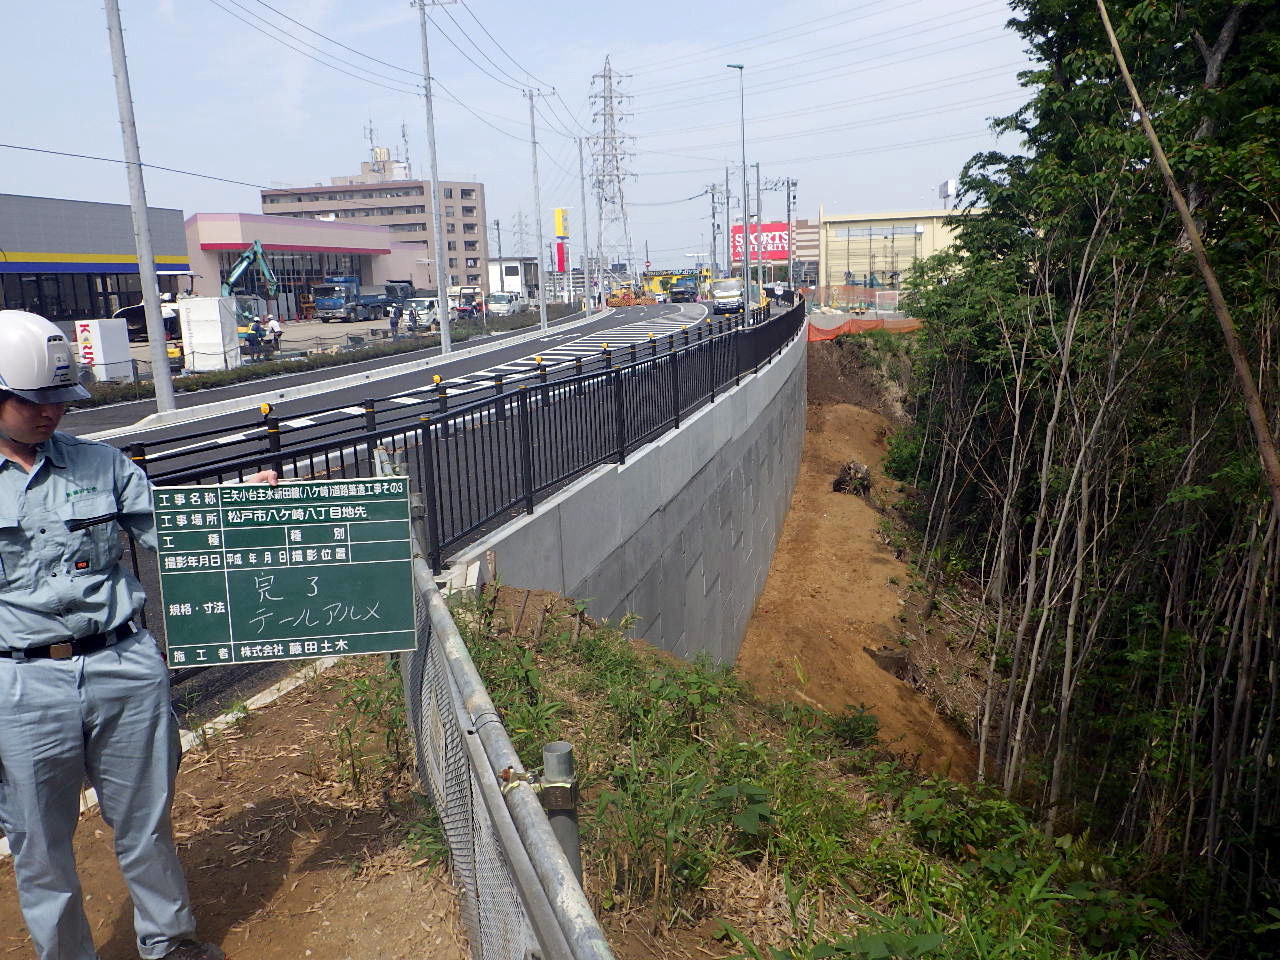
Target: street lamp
x=746, y=205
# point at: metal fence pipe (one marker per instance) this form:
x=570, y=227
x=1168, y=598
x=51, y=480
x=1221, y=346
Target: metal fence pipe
x=559, y=795
x=619, y=420
x=569, y=903
x=526, y=447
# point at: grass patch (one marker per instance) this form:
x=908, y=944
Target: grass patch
x=785, y=829
x=104, y=393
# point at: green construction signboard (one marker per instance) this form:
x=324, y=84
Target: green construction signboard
x=251, y=572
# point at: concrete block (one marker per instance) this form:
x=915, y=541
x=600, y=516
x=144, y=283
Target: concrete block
x=528, y=551
x=590, y=527
x=641, y=482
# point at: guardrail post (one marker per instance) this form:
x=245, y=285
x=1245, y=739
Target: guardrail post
x=675, y=386
x=653, y=344
x=632, y=350
x=559, y=796
x=684, y=333
x=138, y=454
x=370, y=428
x=526, y=447
x=577, y=373
x=429, y=488
x=442, y=405
x=273, y=443
x=619, y=416
x=736, y=340
x=608, y=357
x=500, y=407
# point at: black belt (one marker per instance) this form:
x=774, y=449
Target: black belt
x=67, y=649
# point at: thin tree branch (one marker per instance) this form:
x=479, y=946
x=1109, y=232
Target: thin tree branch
x=1253, y=402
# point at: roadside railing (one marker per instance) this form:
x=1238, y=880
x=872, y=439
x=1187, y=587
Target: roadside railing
x=519, y=894
x=483, y=460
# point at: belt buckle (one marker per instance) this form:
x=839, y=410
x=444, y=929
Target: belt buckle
x=61, y=651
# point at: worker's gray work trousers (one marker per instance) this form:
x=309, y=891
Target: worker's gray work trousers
x=107, y=715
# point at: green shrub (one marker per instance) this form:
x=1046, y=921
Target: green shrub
x=855, y=727
x=104, y=393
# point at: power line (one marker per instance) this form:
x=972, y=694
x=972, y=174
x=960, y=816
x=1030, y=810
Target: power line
x=839, y=49
x=827, y=156
x=860, y=122
x=336, y=43
x=149, y=166
x=666, y=203
x=826, y=75
x=955, y=80
x=515, y=84
x=323, y=63
x=519, y=66
x=453, y=98
x=772, y=36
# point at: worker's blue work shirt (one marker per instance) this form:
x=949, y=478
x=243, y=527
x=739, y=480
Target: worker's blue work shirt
x=60, y=548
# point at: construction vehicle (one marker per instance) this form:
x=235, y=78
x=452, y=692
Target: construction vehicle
x=683, y=290
x=334, y=296
x=726, y=295
x=253, y=257
x=466, y=300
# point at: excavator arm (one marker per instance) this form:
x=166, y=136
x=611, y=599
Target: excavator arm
x=252, y=257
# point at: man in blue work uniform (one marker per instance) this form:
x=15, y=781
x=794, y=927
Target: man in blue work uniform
x=84, y=690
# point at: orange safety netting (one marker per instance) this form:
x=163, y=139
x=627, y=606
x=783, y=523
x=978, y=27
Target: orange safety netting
x=859, y=325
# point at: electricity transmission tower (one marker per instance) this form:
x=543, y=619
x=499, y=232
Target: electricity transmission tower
x=609, y=156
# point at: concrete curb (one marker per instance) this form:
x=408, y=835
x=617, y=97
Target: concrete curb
x=251, y=402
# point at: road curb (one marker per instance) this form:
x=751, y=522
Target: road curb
x=250, y=402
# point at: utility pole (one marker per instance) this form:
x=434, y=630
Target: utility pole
x=502, y=267
x=759, y=258
x=138, y=206
x=437, y=221
x=715, y=226
x=728, y=229
x=791, y=238
x=537, y=214
x=582, y=201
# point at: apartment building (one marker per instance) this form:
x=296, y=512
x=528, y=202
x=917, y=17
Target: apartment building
x=383, y=194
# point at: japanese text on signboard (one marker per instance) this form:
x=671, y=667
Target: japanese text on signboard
x=253, y=572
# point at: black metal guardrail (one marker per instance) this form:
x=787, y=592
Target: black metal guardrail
x=477, y=458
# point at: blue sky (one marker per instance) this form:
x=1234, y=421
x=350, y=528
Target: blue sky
x=869, y=105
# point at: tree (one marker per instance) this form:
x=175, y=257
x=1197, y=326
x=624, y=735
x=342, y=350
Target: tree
x=1079, y=432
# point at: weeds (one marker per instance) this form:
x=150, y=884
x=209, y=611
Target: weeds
x=685, y=776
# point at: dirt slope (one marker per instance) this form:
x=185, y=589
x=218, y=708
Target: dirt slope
x=828, y=599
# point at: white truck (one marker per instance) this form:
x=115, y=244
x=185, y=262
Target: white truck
x=726, y=295
x=504, y=303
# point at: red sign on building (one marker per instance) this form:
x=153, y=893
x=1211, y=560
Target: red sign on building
x=768, y=241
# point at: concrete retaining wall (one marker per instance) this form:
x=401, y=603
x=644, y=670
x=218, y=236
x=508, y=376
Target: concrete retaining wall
x=683, y=533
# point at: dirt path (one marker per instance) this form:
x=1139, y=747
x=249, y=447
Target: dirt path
x=835, y=591
x=283, y=860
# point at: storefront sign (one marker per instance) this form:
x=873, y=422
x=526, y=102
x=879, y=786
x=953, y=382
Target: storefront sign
x=768, y=241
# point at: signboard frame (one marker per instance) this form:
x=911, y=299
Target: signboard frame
x=253, y=573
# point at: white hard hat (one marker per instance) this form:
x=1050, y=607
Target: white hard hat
x=36, y=362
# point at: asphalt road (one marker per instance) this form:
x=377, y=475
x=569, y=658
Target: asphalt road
x=206, y=692
x=455, y=372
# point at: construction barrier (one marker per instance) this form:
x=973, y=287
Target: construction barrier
x=841, y=324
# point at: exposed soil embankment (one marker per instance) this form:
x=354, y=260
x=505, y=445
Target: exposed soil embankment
x=827, y=629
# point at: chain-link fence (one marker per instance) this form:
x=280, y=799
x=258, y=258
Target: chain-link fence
x=520, y=898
